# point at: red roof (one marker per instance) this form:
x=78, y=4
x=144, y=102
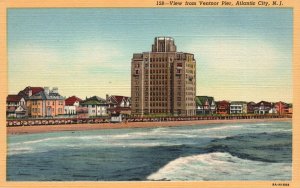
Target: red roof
x=34, y=90
x=71, y=100
x=13, y=98
x=118, y=99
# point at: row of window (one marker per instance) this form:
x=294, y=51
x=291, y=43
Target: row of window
x=160, y=59
x=156, y=98
x=48, y=102
x=156, y=82
x=156, y=104
x=157, y=76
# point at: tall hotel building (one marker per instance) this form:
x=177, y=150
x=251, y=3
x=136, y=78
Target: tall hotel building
x=163, y=81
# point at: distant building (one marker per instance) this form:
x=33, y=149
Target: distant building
x=118, y=104
x=238, y=107
x=45, y=103
x=282, y=107
x=16, y=106
x=116, y=118
x=163, y=81
x=205, y=105
x=250, y=107
x=29, y=91
x=223, y=107
x=290, y=108
x=71, y=105
x=262, y=107
x=96, y=106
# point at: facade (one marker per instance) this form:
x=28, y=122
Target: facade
x=95, y=105
x=238, y=107
x=205, y=105
x=223, y=107
x=263, y=107
x=116, y=118
x=71, y=105
x=281, y=107
x=250, y=107
x=163, y=81
x=46, y=103
x=16, y=106
x=118, y=104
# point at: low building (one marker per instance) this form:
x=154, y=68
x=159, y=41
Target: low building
x=116, y=118
x=223, y=107
x=238, y=107
x=71, y=105
x=46, y=103
x=16, y=107
x=205, y=105
x=250, y=107
x=263, y=107
x=282, y=107
x=96, y=106
x=118, y=104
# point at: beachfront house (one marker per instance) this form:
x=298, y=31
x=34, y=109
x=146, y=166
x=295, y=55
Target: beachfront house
x=223, y=107
x=16, y=106
x=96, y=106
x=263, y=107
x=238, y=107
x=205, y=105
x=281, y=107
x=118, y=104
x=46, y=103
x=250, y=107
x=71, y=105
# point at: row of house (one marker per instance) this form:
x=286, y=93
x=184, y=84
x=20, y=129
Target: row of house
x=41, y=102
x=207, y=105
x=38, y=102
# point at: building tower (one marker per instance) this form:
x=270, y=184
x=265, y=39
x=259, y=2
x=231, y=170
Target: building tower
x=163, y=81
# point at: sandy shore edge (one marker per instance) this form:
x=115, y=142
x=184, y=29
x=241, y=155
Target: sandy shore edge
x=82, y=127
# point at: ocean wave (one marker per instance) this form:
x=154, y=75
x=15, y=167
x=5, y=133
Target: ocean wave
x=23, y=150
x=220, y=166
x=265, y=147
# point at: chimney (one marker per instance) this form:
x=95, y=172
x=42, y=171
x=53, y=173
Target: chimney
x=107, y=96
x=46, y=89
x=55, y=90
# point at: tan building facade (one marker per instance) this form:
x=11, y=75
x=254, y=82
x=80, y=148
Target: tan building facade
x=163, y=81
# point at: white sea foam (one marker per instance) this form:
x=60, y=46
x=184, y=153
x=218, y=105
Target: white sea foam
x=221, y=166
x=221, y=128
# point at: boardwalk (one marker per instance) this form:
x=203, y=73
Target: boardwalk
x=100, y=120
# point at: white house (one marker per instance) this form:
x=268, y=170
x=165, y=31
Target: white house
x=97, y=106
x=71, y=105
x=238, y=107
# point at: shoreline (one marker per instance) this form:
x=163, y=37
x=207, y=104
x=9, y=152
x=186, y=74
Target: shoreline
x=82, y=127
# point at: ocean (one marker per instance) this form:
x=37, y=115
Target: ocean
x=239, y=151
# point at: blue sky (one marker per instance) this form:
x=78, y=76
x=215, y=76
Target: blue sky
x=241, y=53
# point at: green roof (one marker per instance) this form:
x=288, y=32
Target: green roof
x=200, y=100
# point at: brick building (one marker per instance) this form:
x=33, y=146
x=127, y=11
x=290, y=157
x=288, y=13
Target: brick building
x=163, y=81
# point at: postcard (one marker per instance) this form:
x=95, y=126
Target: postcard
x=150, y=94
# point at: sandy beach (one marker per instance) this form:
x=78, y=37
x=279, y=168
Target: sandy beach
x=82, y=127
